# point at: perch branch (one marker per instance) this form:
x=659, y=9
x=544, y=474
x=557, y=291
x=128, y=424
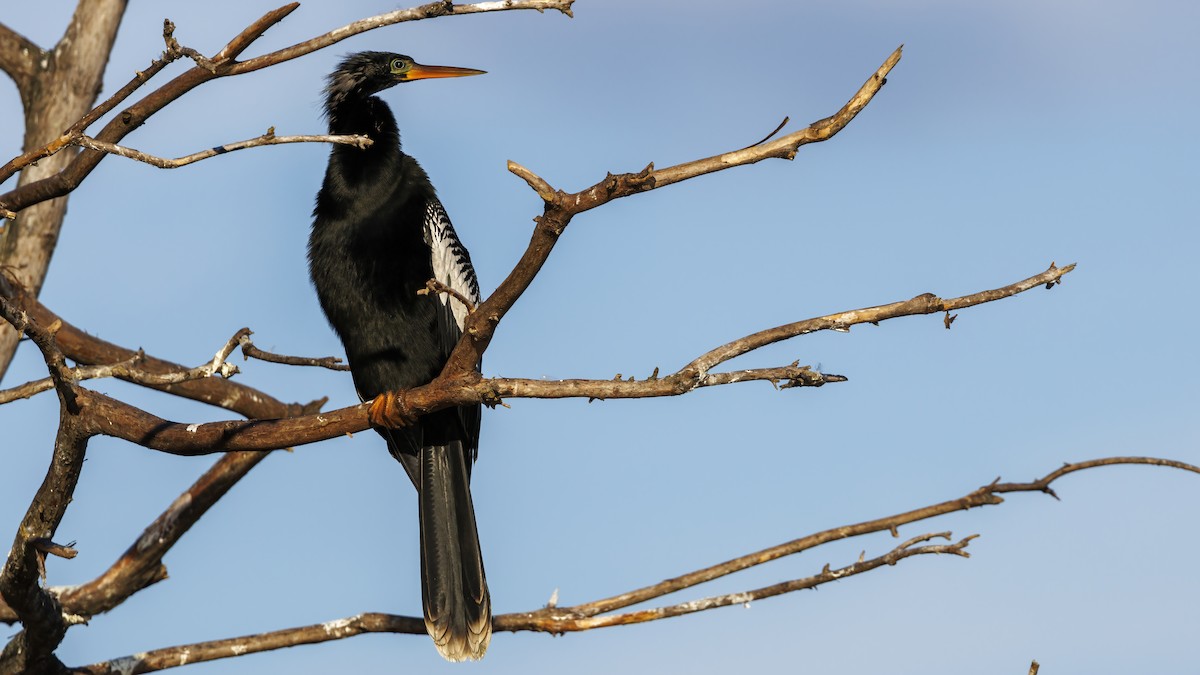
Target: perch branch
x=588, y=616
x=114, y=418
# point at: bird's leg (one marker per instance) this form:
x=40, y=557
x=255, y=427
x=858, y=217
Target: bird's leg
x=390, y=410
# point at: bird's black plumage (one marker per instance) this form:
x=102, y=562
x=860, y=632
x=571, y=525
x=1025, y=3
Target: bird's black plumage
x=379, y=234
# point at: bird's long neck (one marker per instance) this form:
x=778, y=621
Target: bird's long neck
x=368, y=116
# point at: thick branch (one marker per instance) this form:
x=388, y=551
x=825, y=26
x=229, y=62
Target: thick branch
x=64, y=85
x=141, y=565
x=18, y=56
x=32, y=650
x=114, y=418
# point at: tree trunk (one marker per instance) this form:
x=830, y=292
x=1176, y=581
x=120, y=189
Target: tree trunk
x=57, y=88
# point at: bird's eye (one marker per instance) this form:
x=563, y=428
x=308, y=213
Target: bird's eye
x=398, y=65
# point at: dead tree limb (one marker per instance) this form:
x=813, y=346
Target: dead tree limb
x=70, y=89
x=56, y=86
x=598, y=614
x=268, y=138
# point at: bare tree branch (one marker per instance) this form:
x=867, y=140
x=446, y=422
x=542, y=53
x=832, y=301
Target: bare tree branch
x=39, y=611
x=224, y=64
x=18, y=58
x=28, y=242
x=114, y=418
x=87, y=349
x=141, y=565
x=172, y=657
x=249, y=351
x=597, y=614
x=561, y=207
x=269, y=138
x=172, y=53
x=842, y=321
x=64, y=84
x=79, y=374
x=427, y=11
x=392, y=408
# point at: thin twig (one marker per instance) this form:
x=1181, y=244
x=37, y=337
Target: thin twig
x=249, y=351
x=78, y=373
x=768, y=136
x=269, y=138
x=435, y=286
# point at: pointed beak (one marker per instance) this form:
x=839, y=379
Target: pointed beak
x=420, y=72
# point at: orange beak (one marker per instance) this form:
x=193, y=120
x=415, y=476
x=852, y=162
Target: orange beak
x=420, y=72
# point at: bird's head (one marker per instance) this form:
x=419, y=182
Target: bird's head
x=366, y=73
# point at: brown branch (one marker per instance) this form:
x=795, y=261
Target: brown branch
x=86, y=349
x=172, y=657
x=18, y=56
x=469, y=388
x=65, y=84
x=427, y=11
x=129, y=371
x=269, y=138
x=114, y=418
x=224, y=64
x=79, y=374
x=38, y=610
x=249, y=351
x=561, y=207
x=141, y=565
x=587, y=616
x=435, y=286
x=173, y=52
x=554, y=620
x=842, y=321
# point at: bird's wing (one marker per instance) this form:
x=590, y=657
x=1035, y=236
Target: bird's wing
x=452, y=267
x=451, y=263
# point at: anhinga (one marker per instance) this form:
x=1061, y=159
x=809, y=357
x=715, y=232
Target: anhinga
x=379, y=235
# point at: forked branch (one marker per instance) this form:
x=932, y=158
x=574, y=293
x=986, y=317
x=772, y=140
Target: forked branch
x=115, y=418
x=561, y=207
x=223, y=64
x=599, y=613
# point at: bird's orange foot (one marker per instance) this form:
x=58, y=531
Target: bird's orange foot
x=389, y=410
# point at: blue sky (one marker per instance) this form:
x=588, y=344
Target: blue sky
x=1012, y=134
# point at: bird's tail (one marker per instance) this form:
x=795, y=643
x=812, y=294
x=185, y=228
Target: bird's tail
x=458, y=609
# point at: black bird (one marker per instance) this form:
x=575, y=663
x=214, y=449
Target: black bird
x=379, y=235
